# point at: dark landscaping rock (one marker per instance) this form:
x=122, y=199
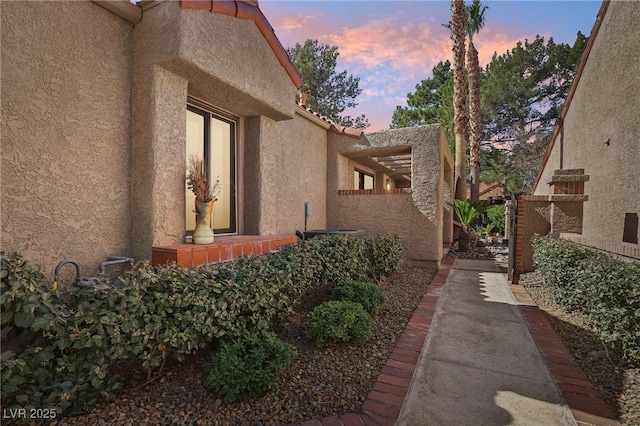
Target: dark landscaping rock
x=320, y=382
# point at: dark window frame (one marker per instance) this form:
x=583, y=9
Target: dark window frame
x=361, y=177
x=208, y=113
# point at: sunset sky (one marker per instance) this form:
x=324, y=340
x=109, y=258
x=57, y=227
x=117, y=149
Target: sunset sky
x=393, y=45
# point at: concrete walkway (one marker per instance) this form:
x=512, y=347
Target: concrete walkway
x=477, y=351
x=480, y=365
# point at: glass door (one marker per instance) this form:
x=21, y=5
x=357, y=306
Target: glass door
x=213, y=138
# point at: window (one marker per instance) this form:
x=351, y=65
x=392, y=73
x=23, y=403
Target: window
x=362, y=180
x=213, y=138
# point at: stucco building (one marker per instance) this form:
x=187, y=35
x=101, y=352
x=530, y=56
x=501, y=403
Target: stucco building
x=588, y=189
x=103, y=102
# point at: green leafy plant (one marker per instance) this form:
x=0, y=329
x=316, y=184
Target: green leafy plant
x=50, y=368
x=342, y=258
x=368, y=295
x=72, y=336
x=339, y=322
x=466, y=212
x=495, y=214
x=384, y=253
x=606, y=289
x=248, y=367
x=480, y=230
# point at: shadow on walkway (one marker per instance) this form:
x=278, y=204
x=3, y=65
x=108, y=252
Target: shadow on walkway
x=480, y=365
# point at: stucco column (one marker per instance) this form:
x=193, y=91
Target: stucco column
x=252, y=179
x=446, y=181
x=262, y=166
x=158, y=157
x=427, y=186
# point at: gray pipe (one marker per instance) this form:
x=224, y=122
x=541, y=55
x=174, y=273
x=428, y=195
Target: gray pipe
x=114, y=260
x=80, y=281
x=56, y=271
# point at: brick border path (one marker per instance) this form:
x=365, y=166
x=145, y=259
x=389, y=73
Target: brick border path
x=384, y=403
x=581, y=397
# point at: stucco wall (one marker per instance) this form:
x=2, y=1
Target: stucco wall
x=394, y=214
x=605, y=109
x=566, y=216
x=295, y=171
x=425, y=170
x=243, y=74
x=428, y=218
x=159, y=155
x=224, y=62
x=541, y=215
x=65, y=129
x=286, y=166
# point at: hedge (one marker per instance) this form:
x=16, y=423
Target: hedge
x=72, y=336
x=339, y=321
x=589, y=281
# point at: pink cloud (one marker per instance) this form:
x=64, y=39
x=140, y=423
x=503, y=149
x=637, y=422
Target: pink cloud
x=391, y=42
x=294, y=22
x=390, y=54
x=497, y=39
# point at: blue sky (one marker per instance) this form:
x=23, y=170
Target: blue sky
x=393, y=45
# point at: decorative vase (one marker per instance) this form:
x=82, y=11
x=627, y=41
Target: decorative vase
x=203, y=234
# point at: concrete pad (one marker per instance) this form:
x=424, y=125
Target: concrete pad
x=486, y=343
x=491, y=298
x=476, y=265
x=450, y=394
x=479, y=364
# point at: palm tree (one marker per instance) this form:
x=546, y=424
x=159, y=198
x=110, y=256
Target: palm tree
x=475, y=22
x=458, y=20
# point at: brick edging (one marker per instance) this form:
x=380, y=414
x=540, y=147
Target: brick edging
x=580, y=395
x=374, y=191
x=384, y=403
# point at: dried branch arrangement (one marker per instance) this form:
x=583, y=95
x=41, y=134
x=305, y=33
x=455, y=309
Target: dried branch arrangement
x=198, y=182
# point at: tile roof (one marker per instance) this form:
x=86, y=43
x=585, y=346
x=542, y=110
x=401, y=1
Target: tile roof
x=250, y=10
x=333, y=128
x=487, y=190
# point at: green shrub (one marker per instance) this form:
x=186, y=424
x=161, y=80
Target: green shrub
x=255, y=295
x=299, y=264
x=559, y=262
x=606, y=289
x=248, y=367
x=339, y=321
x=467, y=211
x=368, y=295
x=495, y=214
x=384, y=253
x=341, y=258
x=50, y=369
x=72, y=336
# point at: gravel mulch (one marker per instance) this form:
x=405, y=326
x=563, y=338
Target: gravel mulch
x=320, y=382
x=617, y=382
x=481, y=251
